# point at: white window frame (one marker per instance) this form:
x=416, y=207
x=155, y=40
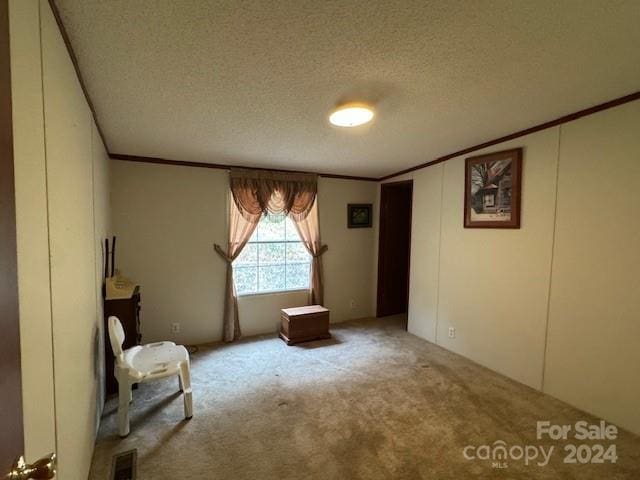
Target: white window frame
x=284, y=264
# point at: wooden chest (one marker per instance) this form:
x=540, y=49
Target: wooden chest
x=303, y=324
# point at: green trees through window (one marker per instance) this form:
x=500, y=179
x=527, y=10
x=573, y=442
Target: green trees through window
x=274, y=259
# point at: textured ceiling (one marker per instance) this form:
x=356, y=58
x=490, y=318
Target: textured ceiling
x=252, y=82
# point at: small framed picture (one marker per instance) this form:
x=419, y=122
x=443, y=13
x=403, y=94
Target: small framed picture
x=359, y=215
x=492, y=190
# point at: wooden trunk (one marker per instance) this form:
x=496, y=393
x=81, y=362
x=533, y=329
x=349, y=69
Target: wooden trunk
x=304, y=324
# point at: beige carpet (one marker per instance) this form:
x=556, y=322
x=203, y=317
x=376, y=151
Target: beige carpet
x=373, y=403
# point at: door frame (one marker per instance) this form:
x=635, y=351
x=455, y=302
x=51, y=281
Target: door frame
x=11, y=422
x=382, y=247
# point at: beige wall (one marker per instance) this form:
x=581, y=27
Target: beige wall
x=593, y=358
x=62, y=215
x=349, y=272
x=102, y=229
x=425, y=263
x=493, y=285
x=32, y=230
x=261, y=313
x=167, y=219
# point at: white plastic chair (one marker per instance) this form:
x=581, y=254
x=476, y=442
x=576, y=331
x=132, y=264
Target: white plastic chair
x=145, y=363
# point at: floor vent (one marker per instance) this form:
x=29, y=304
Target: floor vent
x=123, y=466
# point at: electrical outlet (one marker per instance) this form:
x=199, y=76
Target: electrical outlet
x=352, y=304
x=175, y=328
x=452, y=332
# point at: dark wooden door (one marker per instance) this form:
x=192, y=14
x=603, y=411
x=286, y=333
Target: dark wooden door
x=11, y=433
x=394, y=248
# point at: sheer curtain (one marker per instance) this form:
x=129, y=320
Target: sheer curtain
x=309, y=231
x=255, y=193
x=241, y=227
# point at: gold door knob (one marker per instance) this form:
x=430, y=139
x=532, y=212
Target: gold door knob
x=41, y=469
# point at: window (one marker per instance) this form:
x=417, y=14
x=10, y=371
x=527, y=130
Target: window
x=274, y=260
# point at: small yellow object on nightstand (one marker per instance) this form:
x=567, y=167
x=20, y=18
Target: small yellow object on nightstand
x=119, y=287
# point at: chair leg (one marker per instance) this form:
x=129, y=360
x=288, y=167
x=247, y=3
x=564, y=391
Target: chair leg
x=124, y=397
x=185, y=381
x=180, y=387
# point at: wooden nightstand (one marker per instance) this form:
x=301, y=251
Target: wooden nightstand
x=128, y=312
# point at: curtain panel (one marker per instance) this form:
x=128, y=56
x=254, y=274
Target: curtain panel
x=309, y=231
x=240, y=231
x=255, y=193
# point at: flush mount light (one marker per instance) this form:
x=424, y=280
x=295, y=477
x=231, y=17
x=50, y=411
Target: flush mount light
x=351, y=115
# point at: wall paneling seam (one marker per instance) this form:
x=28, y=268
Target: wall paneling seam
x=439, y=254
x=553, y=247
x=46, y=188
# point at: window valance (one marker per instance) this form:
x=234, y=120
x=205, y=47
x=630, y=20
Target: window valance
x=256, y=192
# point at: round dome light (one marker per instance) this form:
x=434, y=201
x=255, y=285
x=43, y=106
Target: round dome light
x=351, y=115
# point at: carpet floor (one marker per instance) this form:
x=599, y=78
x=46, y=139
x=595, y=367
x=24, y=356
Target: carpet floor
x=373, y=402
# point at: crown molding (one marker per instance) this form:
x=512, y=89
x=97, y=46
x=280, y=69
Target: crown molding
x=74, y=61
x=521, y=133
x=221, y=166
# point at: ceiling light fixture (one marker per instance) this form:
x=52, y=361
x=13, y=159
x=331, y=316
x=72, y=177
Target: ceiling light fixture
x=351, y=115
